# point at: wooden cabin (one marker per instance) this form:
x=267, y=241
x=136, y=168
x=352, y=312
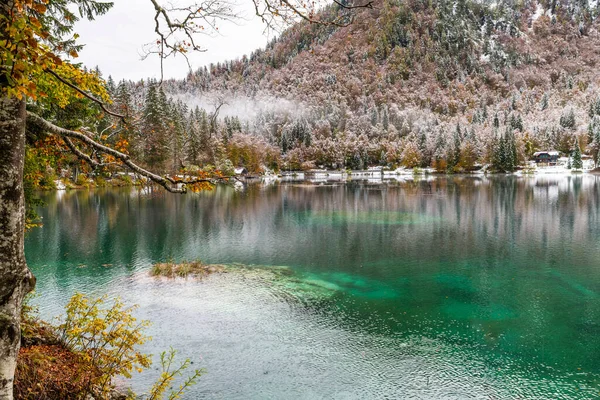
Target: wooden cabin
x=546, y=157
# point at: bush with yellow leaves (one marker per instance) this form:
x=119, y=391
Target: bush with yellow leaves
x=105, y=337
x=94, y=342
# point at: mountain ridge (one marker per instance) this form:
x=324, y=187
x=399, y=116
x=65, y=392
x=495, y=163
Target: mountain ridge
x=414, y=83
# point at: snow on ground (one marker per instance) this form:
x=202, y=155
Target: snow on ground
x=60, y=185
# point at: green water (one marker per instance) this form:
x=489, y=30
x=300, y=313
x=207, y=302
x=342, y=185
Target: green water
x=441, y=288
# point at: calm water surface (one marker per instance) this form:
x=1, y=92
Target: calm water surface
x=436, y=289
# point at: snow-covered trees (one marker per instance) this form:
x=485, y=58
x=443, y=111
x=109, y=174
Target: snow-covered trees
x=567, y=120
x=375, y=99
x=252, y=153
x=411, y=155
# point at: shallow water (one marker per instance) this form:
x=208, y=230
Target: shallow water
x=439, y=288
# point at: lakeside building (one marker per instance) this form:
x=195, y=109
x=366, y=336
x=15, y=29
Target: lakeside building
x=546, y=157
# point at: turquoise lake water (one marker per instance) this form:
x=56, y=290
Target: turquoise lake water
x=440, y=288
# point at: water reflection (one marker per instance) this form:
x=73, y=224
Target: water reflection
x=499, y=271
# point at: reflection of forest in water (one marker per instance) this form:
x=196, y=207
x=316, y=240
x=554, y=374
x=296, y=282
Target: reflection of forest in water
x=497, y=217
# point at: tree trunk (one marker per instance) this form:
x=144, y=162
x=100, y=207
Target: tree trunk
x=15, y=278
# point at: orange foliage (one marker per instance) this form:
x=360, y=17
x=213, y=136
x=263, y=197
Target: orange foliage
x=122, y=145
x=440, y=165
x=26, y=56
x=51, y=372
x=200, y=186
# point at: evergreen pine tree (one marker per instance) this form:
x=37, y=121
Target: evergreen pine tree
x=385, y=118
x=228, y=127
x=512, y=153
x=177, y=134
x=374, y=116
x=154, y=128
x=567, y=120
x=595, y=143
x=193, y=147
x=237, y=125
x=544, y=104
x=577, y=162
x=123, y=98
x=204, y=130
x=511, y=150
x=123, y=104
x=111, y=87
x=284, y=142
x=519, y=123
x=498, y=152
x=440, y=144
x=504, y=157
x=456, y=147
x=513, y=121
x=422, y=143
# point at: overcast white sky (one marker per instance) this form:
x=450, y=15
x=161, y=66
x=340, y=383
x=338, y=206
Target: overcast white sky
x=114, y=42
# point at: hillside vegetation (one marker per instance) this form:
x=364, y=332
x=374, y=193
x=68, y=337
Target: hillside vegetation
x=416, y=83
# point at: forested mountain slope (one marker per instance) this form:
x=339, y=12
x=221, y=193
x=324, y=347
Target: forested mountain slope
x=439, y=83
x=418, y=81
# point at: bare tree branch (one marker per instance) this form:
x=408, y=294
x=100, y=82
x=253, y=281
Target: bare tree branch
x=347, y=7
x=289, y=11
x=177, y=27
x=79, y=153
x=219, y=102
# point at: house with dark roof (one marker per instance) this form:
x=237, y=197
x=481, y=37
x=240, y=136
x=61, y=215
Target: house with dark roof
x=546, y=157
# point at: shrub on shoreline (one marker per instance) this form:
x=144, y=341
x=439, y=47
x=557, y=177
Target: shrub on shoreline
x=96, y=341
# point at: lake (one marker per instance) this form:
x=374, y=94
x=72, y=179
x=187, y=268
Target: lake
x=436, y=288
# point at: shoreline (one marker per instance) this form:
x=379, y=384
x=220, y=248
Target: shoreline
x=320, y=176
